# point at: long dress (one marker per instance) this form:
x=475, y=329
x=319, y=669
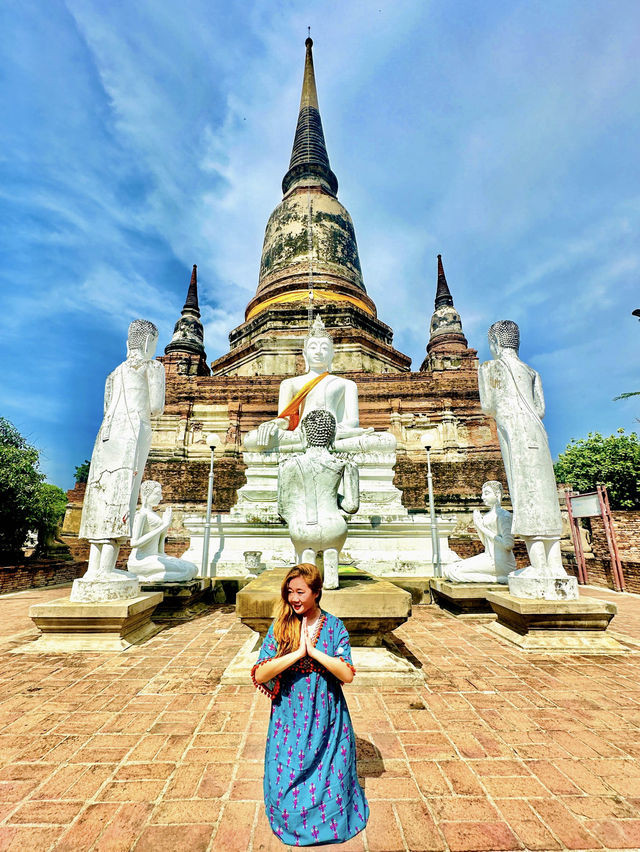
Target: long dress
x=311, y=790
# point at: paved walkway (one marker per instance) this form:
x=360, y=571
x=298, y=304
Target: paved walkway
x=144, y=750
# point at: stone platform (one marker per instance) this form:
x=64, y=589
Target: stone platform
x=370, y=609
x=148, y=750
x=574, y=626
x=67, y=627
x=465, y=600
x=181, y=601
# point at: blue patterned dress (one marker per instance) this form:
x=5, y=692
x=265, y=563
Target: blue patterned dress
x=311, y=791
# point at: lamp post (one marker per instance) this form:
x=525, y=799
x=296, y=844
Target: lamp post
x=426, y=441
x=212, y=441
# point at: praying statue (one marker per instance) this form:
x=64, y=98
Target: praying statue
x=511, y=392
x=309, y=498
x=134, y=392
x=497, y=561
x=148, y=560
x=317, y=389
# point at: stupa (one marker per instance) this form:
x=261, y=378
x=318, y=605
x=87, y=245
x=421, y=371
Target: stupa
x=310, y=267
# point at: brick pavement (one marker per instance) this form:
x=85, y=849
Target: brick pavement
x=144, y=750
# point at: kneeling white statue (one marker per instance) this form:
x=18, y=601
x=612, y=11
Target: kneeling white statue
x=148, y=560
x=497, y=560
x=308, y=498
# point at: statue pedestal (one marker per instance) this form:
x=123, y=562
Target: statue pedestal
x=574, y=626
x=465, y=600
x=109, y=589
x=369, y=608
x=68, y=626
x=544, y=588
x=182, y=600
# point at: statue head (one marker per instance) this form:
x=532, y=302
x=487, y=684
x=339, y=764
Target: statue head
x=150, y=493
x=143, y=338
x=504, y=334
x=492, y=492
x=318, y=347
x=319, y=428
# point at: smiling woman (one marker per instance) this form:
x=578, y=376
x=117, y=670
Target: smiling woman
x=311, y=789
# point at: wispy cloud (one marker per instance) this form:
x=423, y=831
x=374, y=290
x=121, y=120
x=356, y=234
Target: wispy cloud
x=141, y=138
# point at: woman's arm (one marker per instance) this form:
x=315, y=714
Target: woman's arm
x=333, y=664
x=343, y=671
x=272, y=668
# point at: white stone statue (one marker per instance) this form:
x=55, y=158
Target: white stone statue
x=318, y=388
x=134, y=392
x=147, y=559
x=494, y=528
x=308, y=496
x=511, y=392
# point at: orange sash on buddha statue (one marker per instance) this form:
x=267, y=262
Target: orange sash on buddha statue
x=292, y=411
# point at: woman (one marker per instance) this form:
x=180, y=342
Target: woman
x=311, y=789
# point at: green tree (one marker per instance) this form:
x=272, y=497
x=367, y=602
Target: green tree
x=20, y=482
x=82, y=471
x=52, y=504
x=612, y=461
x=26, y=501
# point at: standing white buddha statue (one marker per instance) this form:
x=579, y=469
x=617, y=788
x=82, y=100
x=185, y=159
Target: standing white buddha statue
x=511, y=392
x=134, y=392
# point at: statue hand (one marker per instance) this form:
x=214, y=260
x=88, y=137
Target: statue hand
x=266, y=431
x=168, y=514
x=477, y=517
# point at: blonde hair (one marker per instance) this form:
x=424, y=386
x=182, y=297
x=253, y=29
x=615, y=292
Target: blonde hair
x=286, y=628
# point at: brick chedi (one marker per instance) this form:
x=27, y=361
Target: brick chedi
x=309, y=263
x=185, y=353
x=310, y=250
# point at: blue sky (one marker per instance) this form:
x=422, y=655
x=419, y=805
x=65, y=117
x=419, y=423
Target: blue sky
x=141, y=137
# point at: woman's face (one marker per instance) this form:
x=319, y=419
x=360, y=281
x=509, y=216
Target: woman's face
x=301, y=598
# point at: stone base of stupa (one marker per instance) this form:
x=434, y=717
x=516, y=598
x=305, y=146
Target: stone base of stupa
x=369, y=608
x=573, y=626
x=383, y=538
x=465, y=600
x=67, y=627
x=181, y=600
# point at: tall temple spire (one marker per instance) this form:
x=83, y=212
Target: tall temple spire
x=188, y=334
x=309, y=262
x=443, y=294
x=192, y=293
x=446, y=338
x=309, y=156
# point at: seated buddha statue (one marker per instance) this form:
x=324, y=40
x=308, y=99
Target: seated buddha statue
x=317, y=389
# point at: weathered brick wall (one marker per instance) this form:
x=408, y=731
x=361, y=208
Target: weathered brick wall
x=599, y=572
x=454, y=483
x=33, y=575
x=627, y=529
x=188, y=481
